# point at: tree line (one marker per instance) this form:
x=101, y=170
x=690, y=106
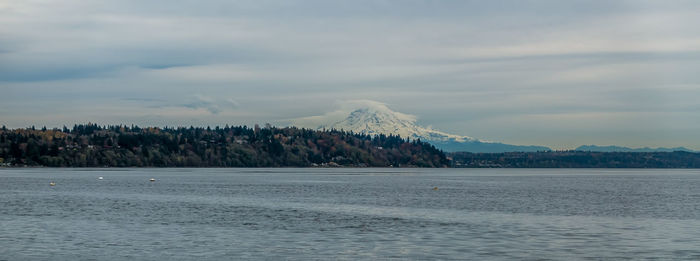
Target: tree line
x=92, y=145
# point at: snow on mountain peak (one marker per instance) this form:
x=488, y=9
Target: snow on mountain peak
x=373, y=118
x=377, y=118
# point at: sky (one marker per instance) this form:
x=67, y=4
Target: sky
x=553, y=73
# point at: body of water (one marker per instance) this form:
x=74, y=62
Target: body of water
x=302, y=214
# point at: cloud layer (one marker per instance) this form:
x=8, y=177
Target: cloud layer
x=555, y=73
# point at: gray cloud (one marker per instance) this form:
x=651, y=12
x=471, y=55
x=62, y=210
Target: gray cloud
x=554, y=73
x=210, y=104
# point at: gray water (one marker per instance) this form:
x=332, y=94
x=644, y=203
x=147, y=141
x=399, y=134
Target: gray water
x=302, y=214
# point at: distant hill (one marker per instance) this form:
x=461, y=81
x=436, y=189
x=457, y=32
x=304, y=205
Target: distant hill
x=485, y=147
x=121, y=146
x=626, y=149
x=576, y=159
x=379, y=119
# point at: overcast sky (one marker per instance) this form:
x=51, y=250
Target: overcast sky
x=554, y=73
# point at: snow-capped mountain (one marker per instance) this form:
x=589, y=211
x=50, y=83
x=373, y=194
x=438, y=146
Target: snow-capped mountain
x=379, y=119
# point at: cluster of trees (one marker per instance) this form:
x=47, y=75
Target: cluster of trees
x=91, y=145
x=576, y=159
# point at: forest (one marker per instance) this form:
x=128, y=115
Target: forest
x=92, y=145
x=576, y=159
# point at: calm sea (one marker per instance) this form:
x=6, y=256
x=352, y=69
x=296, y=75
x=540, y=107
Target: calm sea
x=321, y=214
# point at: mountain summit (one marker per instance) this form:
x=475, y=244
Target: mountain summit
x=379, y=119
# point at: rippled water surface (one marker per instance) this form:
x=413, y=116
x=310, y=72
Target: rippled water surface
x=301, y=214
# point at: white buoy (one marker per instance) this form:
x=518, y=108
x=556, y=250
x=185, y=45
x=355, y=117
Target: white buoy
x=100, y=178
